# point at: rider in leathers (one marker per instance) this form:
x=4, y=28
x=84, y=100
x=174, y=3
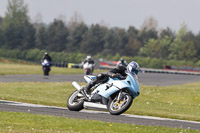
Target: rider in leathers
x=122, y=62
x=89, y=60
x=47, y=57
x=102, y=78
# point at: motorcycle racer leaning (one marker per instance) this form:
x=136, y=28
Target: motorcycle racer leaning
x=117, y=72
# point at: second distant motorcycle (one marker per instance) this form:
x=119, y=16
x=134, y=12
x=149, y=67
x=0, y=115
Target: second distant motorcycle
x=46, y=67
x=88, y=65
x=88, y=68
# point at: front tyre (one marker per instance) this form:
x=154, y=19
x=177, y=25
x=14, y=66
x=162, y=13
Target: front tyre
x=87, y=72
x=118, y=107
x=46, y=70
x=75, y=102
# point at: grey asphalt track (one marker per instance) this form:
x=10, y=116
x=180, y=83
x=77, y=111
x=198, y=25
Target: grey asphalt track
x=154, y=79
x=144, y=78
x=96, y=115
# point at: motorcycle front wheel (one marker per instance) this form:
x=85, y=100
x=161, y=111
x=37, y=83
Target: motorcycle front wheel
x=46, y=70
x=118, y=107
x=87, y=72
x=75, y=102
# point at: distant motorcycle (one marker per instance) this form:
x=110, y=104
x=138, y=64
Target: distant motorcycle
x=46, y=67
x=88, y=68
x=116, y=95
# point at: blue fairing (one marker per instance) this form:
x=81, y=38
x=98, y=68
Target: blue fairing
x=134, y=85
x=89, y=78
x=114, y=85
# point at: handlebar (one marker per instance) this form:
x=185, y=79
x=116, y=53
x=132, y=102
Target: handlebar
x=121, y=77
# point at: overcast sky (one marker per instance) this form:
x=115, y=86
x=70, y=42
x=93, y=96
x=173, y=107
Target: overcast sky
x=120, y=13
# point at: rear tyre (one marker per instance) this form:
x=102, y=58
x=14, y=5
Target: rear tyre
x=75, y=103
x=117, y=108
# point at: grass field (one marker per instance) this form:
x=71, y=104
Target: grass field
x=31, y=123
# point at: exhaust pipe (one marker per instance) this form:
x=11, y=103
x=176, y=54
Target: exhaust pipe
x=76, y=85
x=95, y=106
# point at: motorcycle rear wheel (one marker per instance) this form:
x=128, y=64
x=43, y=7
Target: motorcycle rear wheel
x=117, y=108
x=74, y=103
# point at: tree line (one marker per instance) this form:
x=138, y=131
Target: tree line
x=18, y=32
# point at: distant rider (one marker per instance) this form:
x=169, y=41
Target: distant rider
x=89, y=60
x=47, y=57
x=119, y=71
x=122, y=62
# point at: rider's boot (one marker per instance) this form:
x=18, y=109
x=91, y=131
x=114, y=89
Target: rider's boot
x=87, y=89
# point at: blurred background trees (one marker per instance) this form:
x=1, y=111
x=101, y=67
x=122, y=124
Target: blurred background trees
x=17, y=32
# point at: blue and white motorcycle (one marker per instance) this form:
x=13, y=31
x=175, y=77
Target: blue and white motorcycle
x=116, y=95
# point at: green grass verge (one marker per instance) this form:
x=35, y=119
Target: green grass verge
x=181, y=101
x=9, y=69
x=31, y=123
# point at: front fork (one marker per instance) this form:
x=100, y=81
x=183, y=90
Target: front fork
x=120, y=96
